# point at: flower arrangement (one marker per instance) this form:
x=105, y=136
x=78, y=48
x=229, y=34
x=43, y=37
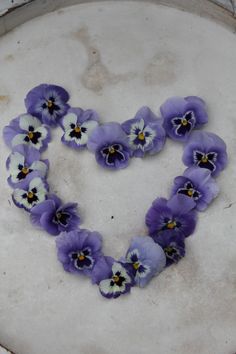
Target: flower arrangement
x=169, y=221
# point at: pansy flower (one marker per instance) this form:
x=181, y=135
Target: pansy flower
x=22, y=162
x=110, y=145
x=26, y=130
x=78, y=125
x=183, y=114
x=48, y=103
x=146, y=259
x=174, y=215
x=205, y=150
x=145, y=133
x=173, y=246
x=118, y=280
x=79, y=250
x=54, y=217
x=196, y=183
x=31, y=193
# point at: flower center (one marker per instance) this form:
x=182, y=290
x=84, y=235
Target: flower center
x=77, y=129
x=141, y=136
x=171, y=224
x=30, y=135
x=204, y=159
x=184, y=121
x=115, y=278
x=81, y=257
x=25, y=170
x=30, y=195
x=136, y=265
x=112, y=150
x=49, y=103
x=190, y=192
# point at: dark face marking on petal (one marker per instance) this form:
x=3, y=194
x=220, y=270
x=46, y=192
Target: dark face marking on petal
x=190, y=191
x=31, y=196
x=171, y=224
x=184, y=124
x=62, y=218
x=113, y=153
x=24, y=171
x=32, y=136
x=205, y=160
x=82, y=259
x=117, y=279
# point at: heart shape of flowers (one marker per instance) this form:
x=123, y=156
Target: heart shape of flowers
x=169, y=221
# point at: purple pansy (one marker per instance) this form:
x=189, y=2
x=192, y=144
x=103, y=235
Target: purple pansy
x=173, y=246
x=145, y=133
x=183, y=114
x=22, y=162
x=205, y=150
x=78, y=125
x=110, y=145
x=174, y=215
x=78, y=251
x=117, y=280
x=48, y=103
x=26, y=130
x=30, y=193
x=197, y=184
x=146, y=259
x=54, y=217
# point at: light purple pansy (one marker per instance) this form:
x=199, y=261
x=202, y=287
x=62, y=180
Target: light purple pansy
x=196, y=183
x=116, y=280
x=79, y=250
x=173, y=246
x=27, y=130
x=174, y=215
x=55, y=217
x=48, y=103
x=205, y=150
x=183, y=114
x=146, y=259
x=22, y=162
x=145, y=133
x=110, y=145
x=30, y=193
x=78, y=126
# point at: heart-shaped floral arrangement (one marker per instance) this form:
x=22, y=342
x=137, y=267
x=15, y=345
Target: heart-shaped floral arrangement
x=169, y=222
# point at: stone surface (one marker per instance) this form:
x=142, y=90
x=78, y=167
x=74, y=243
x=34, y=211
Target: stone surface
x=115, y=57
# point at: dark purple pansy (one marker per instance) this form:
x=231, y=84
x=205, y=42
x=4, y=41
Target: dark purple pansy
x=183, y=114
x=110, y=145
x=54, y=217
x=78, y=251
x=117, y=280
x=22, y=162
x=174, y=215
x=78, y=126
x=27, y=130
x=173, y=245
x=31, y=192
x=48, y=103
x=145, y=133
x=196, y=183
x=145, y=258
x=205, y=150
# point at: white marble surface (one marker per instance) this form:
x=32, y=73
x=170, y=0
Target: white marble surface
x=115, y=57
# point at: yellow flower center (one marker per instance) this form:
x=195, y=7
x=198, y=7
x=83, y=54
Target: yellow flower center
x=25, y=170
x=30, y=195
x=30, y=135
x=168, y=249
x=171, y=225
x=81, y=257
x=184, y=121
x=111, y=150
x=204, y=159
x=77, y=129
x=141, y=136
x=136, y=265
x=115, y=278
x=49, y=103
x=190, y=192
